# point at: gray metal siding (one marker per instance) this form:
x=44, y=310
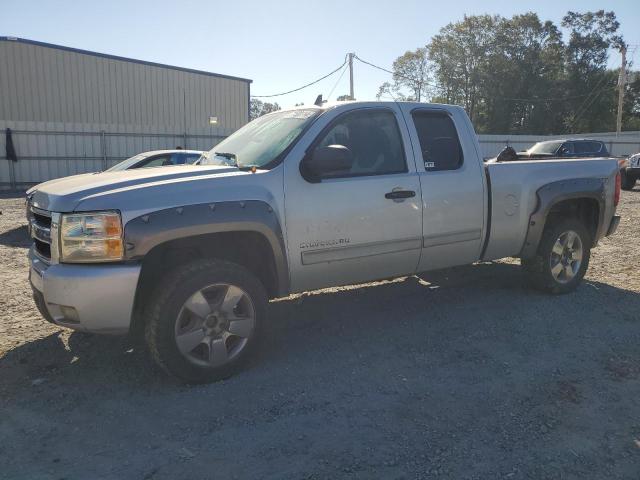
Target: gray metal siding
x=49, y=85
x=69, y=98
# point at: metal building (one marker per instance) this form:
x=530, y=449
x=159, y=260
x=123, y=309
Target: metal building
x=72, y=111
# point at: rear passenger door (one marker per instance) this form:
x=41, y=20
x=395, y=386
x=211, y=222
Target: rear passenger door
x=453, y=187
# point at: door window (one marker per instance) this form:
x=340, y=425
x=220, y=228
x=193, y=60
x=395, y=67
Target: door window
x=566, y=149
x=582, y=147
x=182, y=158
x=374, y=139
x=156, y=161
x=439, y=141
x=595, y=147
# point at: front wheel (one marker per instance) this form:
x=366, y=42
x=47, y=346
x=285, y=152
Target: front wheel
x=562, y=258
x=205, y=319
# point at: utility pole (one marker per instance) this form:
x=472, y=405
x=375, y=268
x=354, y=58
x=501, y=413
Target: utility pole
x=351, y=76
x=622, y=80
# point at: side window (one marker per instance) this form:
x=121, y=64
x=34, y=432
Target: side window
x=596, y=147
x=439, y=141
x=157, y=161
x=566, y=149
x=190, y=158
x=374, y=139
x=582, y=147
x=184, y=158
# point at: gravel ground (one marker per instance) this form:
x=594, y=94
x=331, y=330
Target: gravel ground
x=461, y=374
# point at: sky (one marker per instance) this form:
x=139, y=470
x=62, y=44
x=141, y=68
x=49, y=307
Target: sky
x=280, y=45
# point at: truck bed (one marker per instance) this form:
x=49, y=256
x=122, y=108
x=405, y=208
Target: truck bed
x=513, y=194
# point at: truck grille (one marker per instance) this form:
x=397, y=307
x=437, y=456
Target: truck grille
x=40, y=231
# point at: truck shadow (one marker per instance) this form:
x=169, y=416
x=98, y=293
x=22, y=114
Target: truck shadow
x=387, y=317
x=17, y=237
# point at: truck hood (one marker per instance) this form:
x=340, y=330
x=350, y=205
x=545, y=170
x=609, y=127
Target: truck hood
x=65, y=194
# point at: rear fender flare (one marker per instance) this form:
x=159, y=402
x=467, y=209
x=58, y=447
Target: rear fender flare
x=554, y=193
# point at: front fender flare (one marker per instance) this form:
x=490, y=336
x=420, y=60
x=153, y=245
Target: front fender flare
x=143, y=233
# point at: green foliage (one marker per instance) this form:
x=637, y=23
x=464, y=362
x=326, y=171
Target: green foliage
x=257, y=108
x=518, y=74
x=410, y=72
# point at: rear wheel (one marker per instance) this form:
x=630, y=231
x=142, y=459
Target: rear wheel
x=562, y=258
x=205, y=319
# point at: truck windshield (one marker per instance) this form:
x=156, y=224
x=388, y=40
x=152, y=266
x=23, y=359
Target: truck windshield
x=262, y=141
x=544, y=147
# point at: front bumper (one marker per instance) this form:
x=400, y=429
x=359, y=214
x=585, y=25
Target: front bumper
x=91, y=298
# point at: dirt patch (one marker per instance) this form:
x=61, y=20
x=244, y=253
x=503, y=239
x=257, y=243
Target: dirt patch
x=462, y=374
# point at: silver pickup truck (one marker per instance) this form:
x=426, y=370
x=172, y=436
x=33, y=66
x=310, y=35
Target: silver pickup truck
x=188, y=256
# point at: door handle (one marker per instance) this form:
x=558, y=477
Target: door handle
x=400, y=194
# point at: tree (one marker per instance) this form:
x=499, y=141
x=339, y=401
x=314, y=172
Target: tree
x=257, y=108
x=517, y=75
x=460, y=54
x=592, y=34
x=631, y=110
x=410, y=72
x=344, y=98
x=523, y=65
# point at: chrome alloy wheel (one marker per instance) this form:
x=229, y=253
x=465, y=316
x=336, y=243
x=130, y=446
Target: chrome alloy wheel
x=566, y=257
x=214, y=325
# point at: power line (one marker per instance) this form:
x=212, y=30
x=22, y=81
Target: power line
x=532, y=99
x=337, y=82
x=391, y=72
x=304, y=86
x=584, y=107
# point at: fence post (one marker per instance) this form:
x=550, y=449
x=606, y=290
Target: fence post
x=103, y=146
x=610, y=147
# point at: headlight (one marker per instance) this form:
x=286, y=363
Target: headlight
x=91, y=237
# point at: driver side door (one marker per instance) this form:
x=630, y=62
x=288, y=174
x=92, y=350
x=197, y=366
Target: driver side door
x=358, y=225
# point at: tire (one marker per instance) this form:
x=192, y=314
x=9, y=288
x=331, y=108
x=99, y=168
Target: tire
x=627, y=183
x=543, y=268
x=204, y=319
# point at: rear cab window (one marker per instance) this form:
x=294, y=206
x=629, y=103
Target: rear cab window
x=439, y=142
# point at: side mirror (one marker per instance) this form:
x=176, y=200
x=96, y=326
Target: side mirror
x=327, y=161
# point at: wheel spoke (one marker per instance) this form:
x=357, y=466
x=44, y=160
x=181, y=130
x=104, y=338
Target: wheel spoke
x=198, y=305
x=556, y=269
x=558, y=248
x=571, y=238
x=568, y=271
x=188, y=341
x=217, y=351
x=231, y=298
x=241, y=327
